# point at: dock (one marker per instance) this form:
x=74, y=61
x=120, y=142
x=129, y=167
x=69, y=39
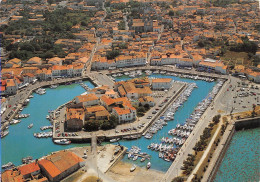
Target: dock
x=84, y=86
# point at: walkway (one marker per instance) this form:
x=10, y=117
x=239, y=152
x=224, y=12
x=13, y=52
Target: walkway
x=205, y=154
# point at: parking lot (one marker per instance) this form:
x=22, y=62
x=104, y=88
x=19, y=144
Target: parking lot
x=240, y=96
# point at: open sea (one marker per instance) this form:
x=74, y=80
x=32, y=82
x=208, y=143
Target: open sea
x=241, y=160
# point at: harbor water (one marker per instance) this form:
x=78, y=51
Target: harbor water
x=197, y=95
x=21, y=142
x=241, y=160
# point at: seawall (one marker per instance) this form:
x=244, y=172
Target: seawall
x=247, y=123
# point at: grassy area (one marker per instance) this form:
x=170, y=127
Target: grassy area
x=74, y=177
x=234, y=58
x=203, y=167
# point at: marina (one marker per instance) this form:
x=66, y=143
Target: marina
x=162, y=165
x=38, y=109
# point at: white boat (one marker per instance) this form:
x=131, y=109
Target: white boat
x=40, y=91
x=129, y=155
x=30, y=126
x=15, y=121
x=148, y=165
x=8, y=165
x=132, y=168
x=114, y=140
x=62, y=141
x=4, y=133
x=135, y=158
x=143, y=159
x=53, y=86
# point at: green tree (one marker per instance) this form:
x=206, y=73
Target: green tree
x=113, y=120
x=112, y=54
x=178, y=179
x=216, y=118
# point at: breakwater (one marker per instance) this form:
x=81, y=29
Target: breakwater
x=247, y=123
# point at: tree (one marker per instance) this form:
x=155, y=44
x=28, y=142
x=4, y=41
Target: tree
x=147, y=107
x=112, y=54
x=106, y=125
x=113, y=120
x=84, y=23
x=171, y=13
x=121, y=25
x=216, y=118
x=178, y=179
x=91, y=126
x=253, y=114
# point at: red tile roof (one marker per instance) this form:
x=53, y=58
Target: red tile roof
x=29, y=168
x=51, y=169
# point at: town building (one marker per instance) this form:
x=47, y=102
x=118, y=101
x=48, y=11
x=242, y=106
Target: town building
x=161, y=83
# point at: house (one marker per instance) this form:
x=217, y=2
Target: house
x=77, y=69
x=90, y=111
x=59, y=165
x=29, y=170
x=255, y=76
x=130, y=61
x=12, y=175
x=161, y=83
x=107, y=102
x=147, y=100
x=210, y=65
x=110, y=93
x=87, y=100
x=102, y=115
x=132, y=90
x=125, y=114
x=55, y=61
x=11, y=86
x=13, y=62
x=28, y=77
x=35, y=60
x=75, y=118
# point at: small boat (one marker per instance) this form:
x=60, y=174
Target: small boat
x=27, y=160
x=8, y=165
x=30, y=126
x=62, y=141
x=135, y=158
x=143, y=159
x=15, y=121
x=114, y=140
x=148, y=165
x=4, y=133
x=129, y=155
x=53, y=86
x=132, y=168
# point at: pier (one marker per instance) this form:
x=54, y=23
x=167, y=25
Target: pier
x=84, y=86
